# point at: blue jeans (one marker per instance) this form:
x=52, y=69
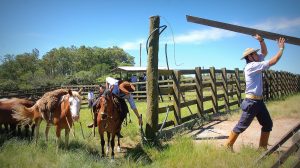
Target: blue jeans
x=254, y=108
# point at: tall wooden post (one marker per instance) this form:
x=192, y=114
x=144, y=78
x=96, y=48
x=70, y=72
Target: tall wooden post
x=152, y=80
x=213, y=80
x=199, y=90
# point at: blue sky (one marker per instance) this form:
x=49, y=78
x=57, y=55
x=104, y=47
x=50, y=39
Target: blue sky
x=29, y=24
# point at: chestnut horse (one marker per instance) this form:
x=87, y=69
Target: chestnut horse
x=108, y=120
x=6, y=106
x=58, y=107
x=69, y=112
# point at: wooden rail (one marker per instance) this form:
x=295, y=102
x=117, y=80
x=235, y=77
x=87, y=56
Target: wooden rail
x=221, y=88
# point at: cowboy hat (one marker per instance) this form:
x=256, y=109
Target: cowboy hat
x=126, y=87
x=249, y=51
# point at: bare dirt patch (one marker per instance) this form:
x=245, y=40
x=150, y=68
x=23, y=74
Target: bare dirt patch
x=217, y=132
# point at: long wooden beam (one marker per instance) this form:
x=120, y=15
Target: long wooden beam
x=241, y=29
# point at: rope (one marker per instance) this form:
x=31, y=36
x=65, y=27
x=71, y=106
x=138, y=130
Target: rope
x=70, y=126
x=163, y=124
x=172, y=40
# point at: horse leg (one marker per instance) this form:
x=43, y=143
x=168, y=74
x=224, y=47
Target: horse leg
x=112, y=143
x=67, y=133
x=13, y=128
x=32, y=130
x=58, y=130
x=26, y=130
x=119, y=146
x=47, y=131
x=102, y=144
x=58, y=139
x=108, y=140
x=6, y=129
x=19, y=130
x=37, y=123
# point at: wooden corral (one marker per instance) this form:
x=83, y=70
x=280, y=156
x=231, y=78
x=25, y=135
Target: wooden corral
x=220, y=87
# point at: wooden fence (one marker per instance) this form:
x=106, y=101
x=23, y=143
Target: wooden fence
x=223, y=89
x=210, y=90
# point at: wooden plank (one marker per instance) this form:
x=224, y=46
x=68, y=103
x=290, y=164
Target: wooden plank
x=233, y=103
x=187, y=71
x=188, y=103
x=296, y=165
x=244, y=30
x=189, y=118
x=164, y=109
x=282, y=141
x=286, y=154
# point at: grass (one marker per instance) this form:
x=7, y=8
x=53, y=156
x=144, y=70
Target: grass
x=180, y=151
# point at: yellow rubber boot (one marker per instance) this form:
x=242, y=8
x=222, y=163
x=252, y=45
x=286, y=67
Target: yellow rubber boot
x=231, y=140
x=264, y=138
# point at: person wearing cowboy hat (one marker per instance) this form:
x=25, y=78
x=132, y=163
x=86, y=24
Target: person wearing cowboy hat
x=253, y=104
x=94, y=105
x=123, y=90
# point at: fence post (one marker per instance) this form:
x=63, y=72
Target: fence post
x=199, y=90
x=213, y=80
x=177, y=98
x=152, y=80
x=266, y=85
x=225, y=88
x=238, y=85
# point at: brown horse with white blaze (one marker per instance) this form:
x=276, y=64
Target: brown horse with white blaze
x=59, y=107
x=108, y=120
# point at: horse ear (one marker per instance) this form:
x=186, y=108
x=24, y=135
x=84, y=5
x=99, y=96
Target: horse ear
x=80, y=90
x=70, y=92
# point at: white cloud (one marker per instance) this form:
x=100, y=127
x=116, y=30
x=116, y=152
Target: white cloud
x=132, y=45
x=279, y=24
x=198, y=36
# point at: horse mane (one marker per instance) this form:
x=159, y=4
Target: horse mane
x=50, y=100
x=77, y=94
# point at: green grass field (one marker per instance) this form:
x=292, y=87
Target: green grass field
x=180, y=151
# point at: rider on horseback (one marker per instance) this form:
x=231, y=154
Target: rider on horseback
x=122, y=90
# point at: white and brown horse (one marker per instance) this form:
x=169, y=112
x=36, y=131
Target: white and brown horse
x=59, y=107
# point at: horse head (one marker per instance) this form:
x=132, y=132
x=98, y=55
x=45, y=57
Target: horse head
x=75, y=104
x=106, y=106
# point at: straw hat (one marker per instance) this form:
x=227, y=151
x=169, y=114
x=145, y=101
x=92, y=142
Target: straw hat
x=126, y=87
x=249, y=51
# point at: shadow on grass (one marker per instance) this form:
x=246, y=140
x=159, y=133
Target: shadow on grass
x=8, y=136
x=139, y=153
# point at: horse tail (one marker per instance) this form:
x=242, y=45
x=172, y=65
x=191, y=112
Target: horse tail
x=23, y=114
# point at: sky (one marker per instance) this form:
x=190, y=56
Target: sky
x=48, y=24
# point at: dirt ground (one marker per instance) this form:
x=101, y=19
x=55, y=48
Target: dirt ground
x=218, y=131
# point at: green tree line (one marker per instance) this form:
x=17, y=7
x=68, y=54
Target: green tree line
x=71, y=65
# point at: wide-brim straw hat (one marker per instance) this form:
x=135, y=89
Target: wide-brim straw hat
x=126, y=87
x=249, y=51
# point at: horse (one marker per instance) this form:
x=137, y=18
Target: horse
x=59, y=107
x=108, y=120
x=6, y=106
x=65, y=119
